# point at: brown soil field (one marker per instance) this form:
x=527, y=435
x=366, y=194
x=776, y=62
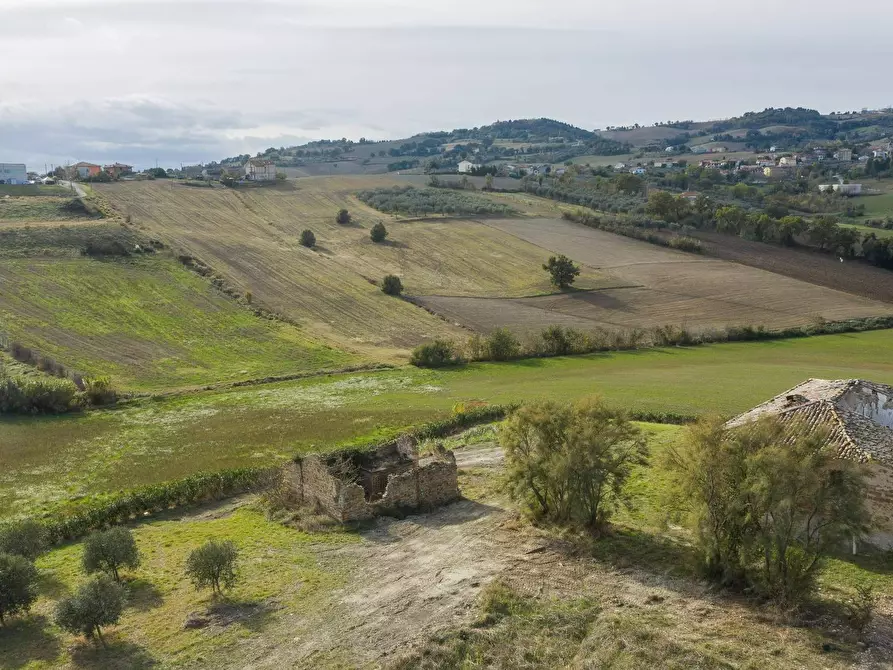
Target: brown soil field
x=661, y=286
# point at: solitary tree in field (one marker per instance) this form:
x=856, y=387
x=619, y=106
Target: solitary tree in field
x=109, y=551
x=96, y=604
x=18, y=585
x=562, y=270
x=378, y=232
x=213, y=564
x=343, y=217
x=308, y=239
x=392, y=285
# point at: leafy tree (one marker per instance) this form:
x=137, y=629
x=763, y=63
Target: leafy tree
x=392, y=285
x=157, y=173
x=343, y=217
x=97, y=603
x=823, y=231
x=730, y=220
x=18, y=585
x=378, y=232
x=109, y=551
x=568, y=463
x=562, y=270
x=502, y=345
x=213, y=564
x=435, y=354
x=788, y=228
x=308, y=239
x=667, y=206
x=488, y=182
x=769, y=501
x=23, y=538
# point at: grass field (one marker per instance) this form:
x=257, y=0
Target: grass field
x=50, y=459
x=148, y=322
x=33, y=190
x=877, y=206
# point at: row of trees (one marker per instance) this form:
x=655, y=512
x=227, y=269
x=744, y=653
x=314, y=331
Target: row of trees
x=412, y=201
x=767, y=502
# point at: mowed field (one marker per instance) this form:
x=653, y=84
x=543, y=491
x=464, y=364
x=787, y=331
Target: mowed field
x=251, y=238
x=56, y=458
x=656, y=286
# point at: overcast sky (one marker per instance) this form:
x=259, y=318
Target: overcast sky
x=197, y=80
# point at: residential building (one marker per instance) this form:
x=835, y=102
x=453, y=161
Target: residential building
x=858, y=416
x=13, y=173
x=845, y=155
x=116, y=170
x=637, y=170
x=787, y=160
x=260, y=169
x=689, y=195
x=880, y=153
x=620, y=166
x=779, y=171
x=84, y=170
x=465, y=167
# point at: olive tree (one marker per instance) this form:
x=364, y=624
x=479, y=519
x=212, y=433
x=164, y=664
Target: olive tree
x=569, y=463
x=213, y=564
x=23, y=538
x=97, y=603
x=392, y=285
x=308, y=239
x=343, y=217
x=18, y=585
x=109, y=551
x=378, y=232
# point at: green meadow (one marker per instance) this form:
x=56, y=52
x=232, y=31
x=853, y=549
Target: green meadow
x=47, y=459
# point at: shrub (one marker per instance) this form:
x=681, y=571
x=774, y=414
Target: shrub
x=110, y=550
x=556, y=341
x=435, y=354
x=105, y=246
x=861, y=607
x=99, y=391
x=755, y=496
x=568, y=463
x=36, y=395
x=24, y=538
x=18, y=585
x=562, y=270
x=684, y=243
x=502, y=345
x=378, y=232
x=97, y=603
x=343, y=217
x=213, y=564
x=308, y=239
x=392, y=285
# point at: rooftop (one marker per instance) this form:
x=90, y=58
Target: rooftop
x=858, y=414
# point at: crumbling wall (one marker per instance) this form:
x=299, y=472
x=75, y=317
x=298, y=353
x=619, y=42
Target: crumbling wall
x=433, y=483
x=879, y=499
x=309, y=483
x=352, y=504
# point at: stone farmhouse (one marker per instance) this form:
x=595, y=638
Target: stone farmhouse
x=859, y=417
x=260, y=169
x=357, y=485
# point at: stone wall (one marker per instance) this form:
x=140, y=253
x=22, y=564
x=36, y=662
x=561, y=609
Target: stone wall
x=433, y=483
x=309, y=483
x=880, y=504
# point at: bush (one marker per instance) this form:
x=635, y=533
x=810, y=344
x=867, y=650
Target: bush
x=36, y=395
x=392, y=285
x=343, y=217
x=502, y=345
x=568, y=463
x=308, y=239
x=684, y=243
x=110, y=550
x=435, y=354
x=25, y=538
x=105, y=246
x=861, y=607
x=378, y=232
x=97, y=603
x=99, y=391
x=755, y=494
x=213, y=564
x=562, y=270
x=18, y=585
x=557, y=341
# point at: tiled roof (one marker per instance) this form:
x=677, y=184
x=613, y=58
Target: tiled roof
x=847, y=408
x=259, y=162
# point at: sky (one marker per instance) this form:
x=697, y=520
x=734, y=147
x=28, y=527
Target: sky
x=187, y=81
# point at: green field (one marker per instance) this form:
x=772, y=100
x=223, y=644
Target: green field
x=54, y=458
x=147, y=322
x=33, y=190
x=877, y=206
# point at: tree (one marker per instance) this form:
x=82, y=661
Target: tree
x=18, y=585
x=378, y=232
x=392, y=285
x=157, y=173
x=730, y=219
x=435, y=354
x=308, y=239
x=823, y=231
x=488, y=182
x=23, y=538
x=109, y=551
x=768, y=501
x=343, y=217
x=502, y=345
x=97, y=603
x=213, y=564
x=568, y=463
x=562, y=270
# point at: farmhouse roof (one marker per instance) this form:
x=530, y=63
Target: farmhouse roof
x=260, y=162
x=83, y=164
x=119, y=165
x=857, y=413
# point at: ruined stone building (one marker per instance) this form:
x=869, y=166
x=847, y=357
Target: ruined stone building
x=859, y=417
x=390, y=479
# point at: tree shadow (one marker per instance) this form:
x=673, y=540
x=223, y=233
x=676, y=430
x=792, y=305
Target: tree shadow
x=634, y=549
x=251, y=614
x=118, y=655
x=143, y=595
x=49, y=585
x=396, y=244
x=24, y=640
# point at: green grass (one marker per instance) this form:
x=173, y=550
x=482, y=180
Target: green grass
x=279, y=578
x=52, y=458
x=148, y=322
x=33, y=190
x=22, y=209
x=876, y=206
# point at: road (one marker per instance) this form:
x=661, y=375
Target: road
x=77, y=188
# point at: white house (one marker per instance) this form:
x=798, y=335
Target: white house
x=260, y=169
x=844, y=155
x=787, y=160
x=637, y=170
x=13, y=173
x=466, y=166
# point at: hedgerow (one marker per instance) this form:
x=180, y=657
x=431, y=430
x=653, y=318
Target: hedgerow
x=427, y=201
